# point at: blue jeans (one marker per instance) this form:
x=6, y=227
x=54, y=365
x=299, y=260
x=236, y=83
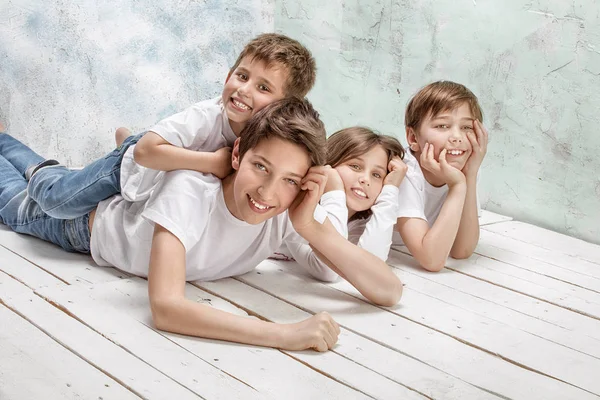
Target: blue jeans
x=22, y=214
x=64, y=193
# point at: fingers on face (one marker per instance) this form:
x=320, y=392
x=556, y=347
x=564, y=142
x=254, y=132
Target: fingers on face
x=442, y=157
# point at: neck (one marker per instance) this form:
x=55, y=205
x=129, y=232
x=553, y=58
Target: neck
x=228, y=195
x=237, y=127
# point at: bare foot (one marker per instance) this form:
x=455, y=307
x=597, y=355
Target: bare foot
x=121, y=134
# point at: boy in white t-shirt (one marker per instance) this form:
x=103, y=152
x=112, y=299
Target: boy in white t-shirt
x=197, y=226
x=269, y=68
x=438, y=210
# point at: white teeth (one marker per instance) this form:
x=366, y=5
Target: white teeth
x=259, y=206
x=240, y=105
x=360, y=193
x=455, y=152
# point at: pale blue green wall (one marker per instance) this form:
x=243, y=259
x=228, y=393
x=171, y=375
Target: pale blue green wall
x=535, y=66
x=71, y=72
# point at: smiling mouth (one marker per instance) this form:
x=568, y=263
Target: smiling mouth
x=257, y=206
x=359, y=193
x=455, y=152
x=240, y=105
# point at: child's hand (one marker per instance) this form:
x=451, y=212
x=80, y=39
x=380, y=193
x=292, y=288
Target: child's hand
x=334, y=181
x=441, y=169
x=397, y=171
x=479, y=141
x=221, y=165
x=302, y=210
x=319, y=332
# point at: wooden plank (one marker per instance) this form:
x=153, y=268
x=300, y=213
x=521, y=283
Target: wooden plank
x=552, y=257
x=73, y=268
x=498, y=304
x=266, y=370
x=398, y=367
x=507, y=341
x=413, y=338
x=107, y=357
x=549, y=240
x=24, y=271
x=538, y=286
x=488, y=218
x=36, y=367
x=487, y=247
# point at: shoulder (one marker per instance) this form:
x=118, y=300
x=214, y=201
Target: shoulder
x=191, y=183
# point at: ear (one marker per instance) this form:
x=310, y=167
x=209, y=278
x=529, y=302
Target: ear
x=235, y=155
x=411, y=139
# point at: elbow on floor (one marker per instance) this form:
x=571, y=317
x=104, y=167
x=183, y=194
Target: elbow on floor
x=433, y=266
x=391, y=297
x=160, y=313
x=461, y=254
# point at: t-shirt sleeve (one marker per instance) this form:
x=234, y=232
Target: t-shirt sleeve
x=190, y=126
x=334, y=203
x=377, y=235
x=181, y=204
x=304, y=255
x=411, y=201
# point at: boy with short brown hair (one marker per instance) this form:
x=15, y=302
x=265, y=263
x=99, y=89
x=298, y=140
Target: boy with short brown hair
x=438, y=209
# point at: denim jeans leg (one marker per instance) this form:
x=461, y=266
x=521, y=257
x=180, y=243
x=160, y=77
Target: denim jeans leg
x=18, y=154
x=66, y=194
x=23, y=215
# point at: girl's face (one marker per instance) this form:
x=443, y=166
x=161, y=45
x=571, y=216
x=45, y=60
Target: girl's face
x=363, y=178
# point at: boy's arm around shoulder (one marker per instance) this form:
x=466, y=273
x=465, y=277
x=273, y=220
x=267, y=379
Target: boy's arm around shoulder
x=172, y=312
x=166, y=146
x=153, y=151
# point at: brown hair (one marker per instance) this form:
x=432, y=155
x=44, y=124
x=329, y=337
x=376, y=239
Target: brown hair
x=438, y=97
x=352, y=142
x=274, y=48
x=290, y=119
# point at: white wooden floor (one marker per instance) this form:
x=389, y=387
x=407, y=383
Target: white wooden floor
x=519, y=320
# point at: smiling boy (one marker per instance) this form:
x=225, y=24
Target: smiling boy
x=197, y=226
x=438, y=210
x=269, y=68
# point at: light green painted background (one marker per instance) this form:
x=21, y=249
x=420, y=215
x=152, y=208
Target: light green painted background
x=535, y=66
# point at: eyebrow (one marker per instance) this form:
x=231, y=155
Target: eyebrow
x=269, y=164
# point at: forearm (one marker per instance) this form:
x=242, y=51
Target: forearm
x=179, y=315
x=370, y=275
x=377, y=236
x=166, y=157
x=437, y=242
x=468, y=230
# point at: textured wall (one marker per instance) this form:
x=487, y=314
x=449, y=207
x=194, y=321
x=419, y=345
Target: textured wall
x=71, y=72
x=535, y=66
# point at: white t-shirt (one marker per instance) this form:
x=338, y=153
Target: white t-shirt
x=191, y=206
x=203, y=126
x=418, y=198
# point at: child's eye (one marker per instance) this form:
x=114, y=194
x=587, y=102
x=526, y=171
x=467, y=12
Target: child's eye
x=264, y=88
x=468, y=127
x=260, y=167
x=377, y=175
x=292, y=182
x=242, y=76
x=355, y=166
x=442, y=126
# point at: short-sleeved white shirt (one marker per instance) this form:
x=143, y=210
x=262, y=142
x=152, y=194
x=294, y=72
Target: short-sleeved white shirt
x=191, y=206
x=203, y=126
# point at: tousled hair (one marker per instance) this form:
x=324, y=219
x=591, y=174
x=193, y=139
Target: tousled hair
x=290, y=119
x=279, y=50
x=438, y=97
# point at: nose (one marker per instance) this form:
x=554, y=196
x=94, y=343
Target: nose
x=267, y=190
x=244, y=89
x=457, y=135
x=364, y=180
